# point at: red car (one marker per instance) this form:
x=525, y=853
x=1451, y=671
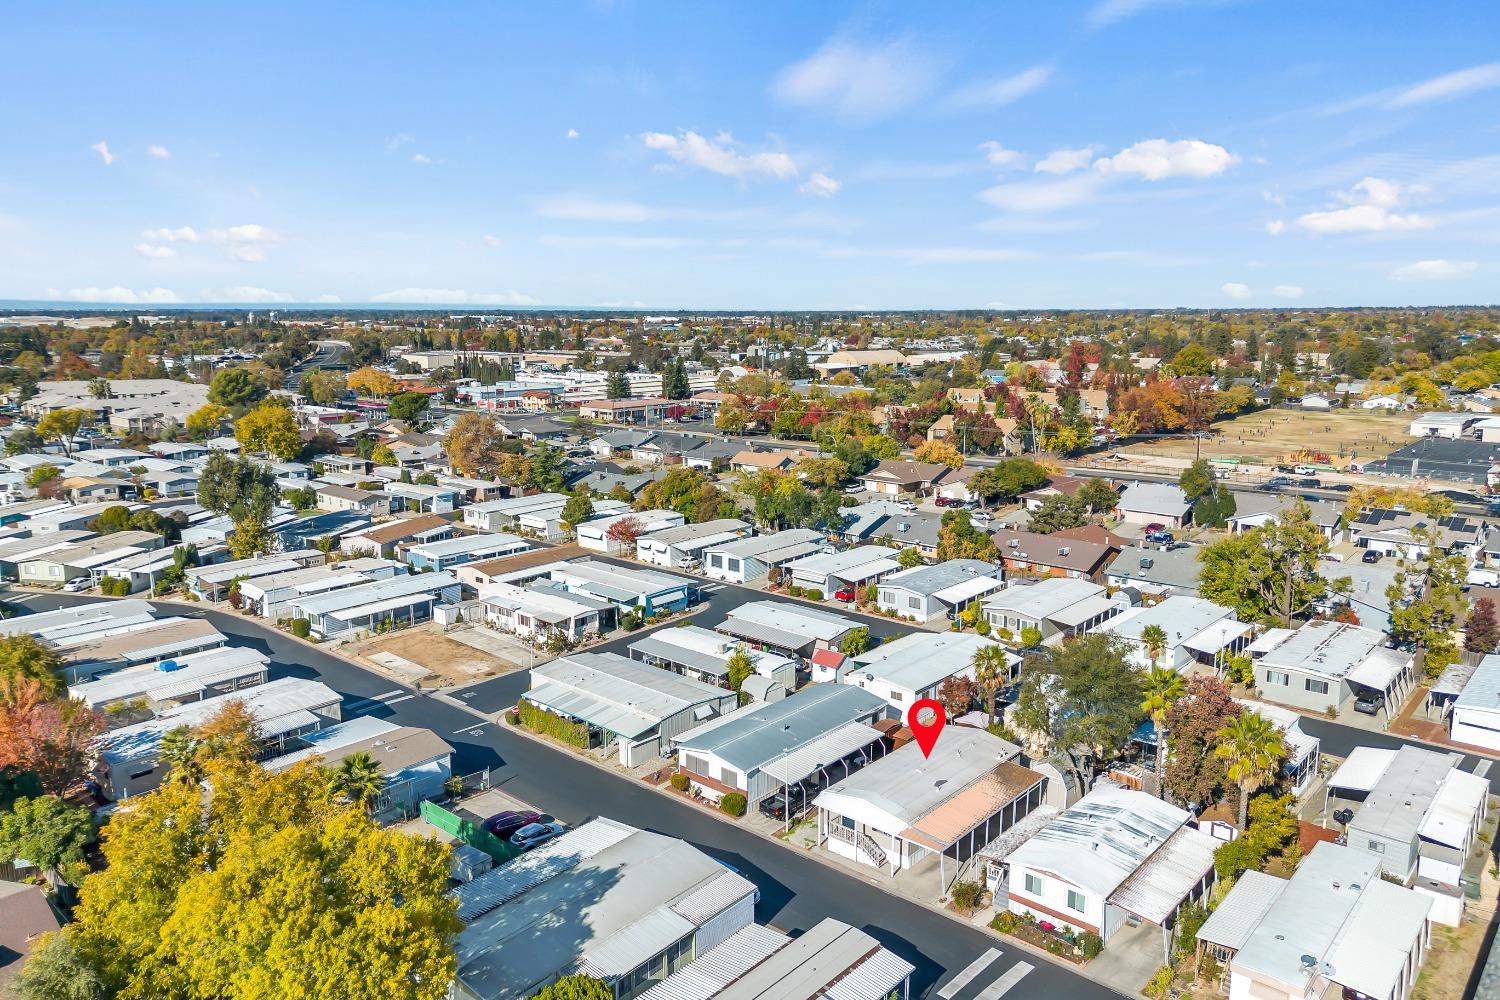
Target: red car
x=1155, y=526
x=843, y=595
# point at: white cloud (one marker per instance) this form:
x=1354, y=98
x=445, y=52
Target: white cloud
x=154, y=251
x=1158, y=159
x=454, y=297
x=1043, y=196
x=1369, y=211
x=328, y=298
x=1276, y=227
x=1000, y=92
x=1460, y=83
x=1435, y=270
x=395, y=142
x=114, y=293
x=244, y=293
x=1235, y=290
x=1273, y=198
x=182, y=234
x=247, y=253
x=572, y=133
x=492, y=241
x=420, y=158
x=1287, y=291
x=1065, y=161
x=998, y=156
x=719, y=155
x=858, y=82
x=820, y=185
x=583, y=208
x=102, y=148
x=159, y=152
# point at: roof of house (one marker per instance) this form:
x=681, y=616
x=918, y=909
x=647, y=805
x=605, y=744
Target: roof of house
x=1175, y=568
x=1044, y=598
x=410, y=527
x=727, y=526
x=1165, y=499
x=754, y=736
x=617, y=694
x=832, y=960
x=27, y=916
x=1236, y=916
x=904, y=473
x=1330, y=648
x=930, y=580
x=918, y=661
x=786, y=625
x=1048, y=550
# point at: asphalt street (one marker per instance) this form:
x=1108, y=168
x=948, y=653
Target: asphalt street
x=796, y=891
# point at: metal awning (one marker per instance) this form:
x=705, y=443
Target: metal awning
x=861, y=573
x=1379, y=670
x=820, y=752
x=1085, y=610
x=376, y=607
x=291, y=721
x=767, y=634
x=576, y=704
x=1160, y=885
x=1217, y=636
x=635, y=944
x=966, y=590
x=877, y=976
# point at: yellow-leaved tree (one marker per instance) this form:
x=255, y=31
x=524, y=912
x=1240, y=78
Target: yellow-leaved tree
x=270, y=428
x=372, y=382
x=264, y=886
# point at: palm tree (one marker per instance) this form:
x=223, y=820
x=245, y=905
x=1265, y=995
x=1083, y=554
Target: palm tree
x=359, y=779
x=179, y=748
x=1163, y=687
x=1254, y=748
x=989, y=673
x=1155, y=639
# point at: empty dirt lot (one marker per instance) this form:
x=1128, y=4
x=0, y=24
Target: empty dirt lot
x=1271, y=436
x=445, y=661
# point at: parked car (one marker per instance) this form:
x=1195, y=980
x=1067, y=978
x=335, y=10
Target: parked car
x=1339, y=487
x=504, y=824
x=1277, y=482
x=1304, y=470
x=533, y=834
x=846, y=595
x=906, y=505
x=77, y=584
x=773, y=806
x=982, y=516
x=1155, y=526
x=1370, y=703
x=1164, y=537
x=854, y=490
x=941, y=501
x=1310, y=484
x=1371, y=556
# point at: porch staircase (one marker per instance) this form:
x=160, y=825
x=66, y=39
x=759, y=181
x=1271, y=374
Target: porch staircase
x=863, y=842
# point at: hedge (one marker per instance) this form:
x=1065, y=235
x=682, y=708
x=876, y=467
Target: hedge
x=734, y=804
x=542, y=721
x=301, y=628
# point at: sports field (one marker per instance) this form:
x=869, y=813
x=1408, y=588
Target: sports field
x=1272, y=436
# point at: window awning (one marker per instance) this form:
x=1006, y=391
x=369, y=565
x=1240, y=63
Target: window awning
x=1218, y=636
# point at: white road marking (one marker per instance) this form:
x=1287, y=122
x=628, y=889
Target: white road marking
x=397, y=701
x=470, y=729
x=969, y=974
x=1002, y=985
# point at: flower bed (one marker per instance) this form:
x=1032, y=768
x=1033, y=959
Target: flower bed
x=1065, y=943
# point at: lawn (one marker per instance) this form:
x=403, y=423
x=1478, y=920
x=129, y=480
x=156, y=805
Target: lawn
x=1271, y=436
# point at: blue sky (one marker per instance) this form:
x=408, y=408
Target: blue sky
x=774, y=155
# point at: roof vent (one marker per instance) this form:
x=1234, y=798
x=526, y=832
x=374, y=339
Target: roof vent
x=1013, y=543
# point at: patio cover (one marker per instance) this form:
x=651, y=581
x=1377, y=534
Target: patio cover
x=859, y=574
x=947, y=823
x=1160, y=885
x=1076, y=614
x=824, y=750
x=1218, y=635
x=576, y=704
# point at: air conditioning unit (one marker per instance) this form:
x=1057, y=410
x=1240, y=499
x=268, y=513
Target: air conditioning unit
x=1147, y=562
x=1064, y=550
x=1014, y=543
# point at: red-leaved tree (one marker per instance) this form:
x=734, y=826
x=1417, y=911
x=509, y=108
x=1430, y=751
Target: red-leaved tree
x=625, y=531
x=51, y=737
x=1193, y=773
x=1482, y=631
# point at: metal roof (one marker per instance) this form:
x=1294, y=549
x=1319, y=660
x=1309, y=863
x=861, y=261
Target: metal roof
x=779, y=546
x=469, y=544
x=500, y=885
x=1482, y=689
x=841, y=563
x=1160, y=885
x=634, y=944
x=373, y=593
x=616, y=694
x=875, y=978
x=1362, y=770
x=193, y=672
x=811, y=965
x=1239, y=912
x=751, y=737
x=928, y=580
x=1455, y=810
x=1103, y=838
x=1045, y=599
x=1329, y=648
x=821, y=752
x=721, y=965
x=918, y=661
x=1371, y=951
x=801, y=622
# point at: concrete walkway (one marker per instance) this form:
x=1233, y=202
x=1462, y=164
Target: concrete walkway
x=1130, y=959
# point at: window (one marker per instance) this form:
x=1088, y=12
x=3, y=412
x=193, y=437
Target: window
x=1075, y=901
x=730, y=777
x=915, y=603
x=846, y=822
x=1033, y=884
x=1376, y=846
x=896, y=696
x=1278, y=677
x=1316, y=687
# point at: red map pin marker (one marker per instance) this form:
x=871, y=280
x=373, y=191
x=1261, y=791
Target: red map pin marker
x=926, y=719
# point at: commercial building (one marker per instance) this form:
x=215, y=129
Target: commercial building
x=1334, y=928
x=1418, y=812
x=604, y=900
x=1057, y=608
x=745, y=560
x=904, y=808
x=762, y=749
x=1112, y=855
x=923, y=593
x=623, y=703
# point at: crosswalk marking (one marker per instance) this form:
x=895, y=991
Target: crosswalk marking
x=1001, y=986
x=397, y=701
x=969, y=974
x=389, y=698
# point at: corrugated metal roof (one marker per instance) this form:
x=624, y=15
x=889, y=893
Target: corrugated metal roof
x=1239, y=912
x=635, y=944
x=820, y=752
x=500, y=885
x=756, y=735
x=876, y=978
x=713, y=897
x=1164, y=881
x=620, y=695
x=1362, y=770
x=719, y=966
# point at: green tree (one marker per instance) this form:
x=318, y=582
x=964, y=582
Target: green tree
x=359, y=778
x=1192, y=360
x=1098, y=496
x=206, y=421
x=1007, y=480
x=56, y=971
x=269, y=428
x=1270, y=573
x=959, y=539
x=474, y=446
x=24, y=441
x=546, y=468
x=62, y=426
x=381, y=454
x=1057, y=512
x=856, y=641
x=578, y=509
x=1197, y=479
x=1082, y=700
x=23, y=655
x=181, y=750
x=1154, y=638
x=237, y=487
x=1160, y=690
x=990, y=673
x=408, y=406
x=1254, y=748
x=617, y=386
x=576, y=988
x=1192, y=773
x=237, y=388
x=909, y=557
x=111, y=519
x=41, y=474
x=740, y=666
x=689, y=492
x=47, y=832
x=1427, y=600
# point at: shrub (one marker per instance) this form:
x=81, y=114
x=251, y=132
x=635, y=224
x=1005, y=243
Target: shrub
x=301, y=628
x=542, y=721
x=813, y=594
x=982, y=627
x=966, y=895
x=630, y=621
x=679, y=782
x=1089, y=945
x=1006, y=922
x=1159, y=984
x=794, y=590
x=733, y=804
x=1031, y=636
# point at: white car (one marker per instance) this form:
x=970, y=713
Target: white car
x=906, y=505
x=982, y=516
x=1304, y=470
x=77, y=584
